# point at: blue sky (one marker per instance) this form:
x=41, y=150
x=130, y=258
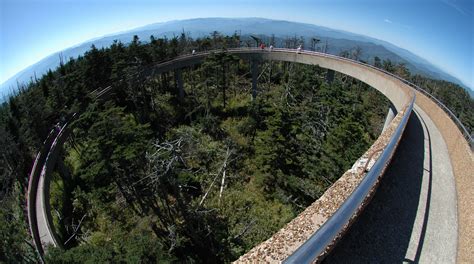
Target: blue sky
x=441, y=31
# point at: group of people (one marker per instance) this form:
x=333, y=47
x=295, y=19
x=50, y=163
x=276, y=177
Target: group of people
x=262, y=47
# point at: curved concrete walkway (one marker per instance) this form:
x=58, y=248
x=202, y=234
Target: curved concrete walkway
x=44, y=231
x=398, y=92
x=38, y=204
x=413, y=215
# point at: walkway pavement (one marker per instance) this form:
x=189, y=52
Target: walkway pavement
x=413, y=216
x=44, y=233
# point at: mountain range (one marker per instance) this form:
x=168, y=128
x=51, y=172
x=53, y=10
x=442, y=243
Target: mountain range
x=337, y=41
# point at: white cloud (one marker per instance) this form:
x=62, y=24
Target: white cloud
x=386, y=20
x=454, y=4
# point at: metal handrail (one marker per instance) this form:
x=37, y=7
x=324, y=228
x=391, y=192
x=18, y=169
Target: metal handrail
x=457, y=122
x=316, y=245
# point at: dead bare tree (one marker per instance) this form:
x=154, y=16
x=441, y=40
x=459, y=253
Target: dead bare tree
x=222, y=171
x=75, y=229
x=314, y=42
x=356, y=53
x=287, y=96
x=166, y=154
x=208, y=189
x=246, y=228
x=224, y=167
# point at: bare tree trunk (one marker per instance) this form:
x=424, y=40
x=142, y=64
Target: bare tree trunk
x=246, y=228
x=221, y=170
x=208, y=190
x=224, y=166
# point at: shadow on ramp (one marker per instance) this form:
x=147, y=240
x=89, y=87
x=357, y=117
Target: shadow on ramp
x=382, y=233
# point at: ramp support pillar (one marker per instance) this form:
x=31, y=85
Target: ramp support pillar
x=179, y=83
x=329, y=76
x=254, y=69
x=390, y=115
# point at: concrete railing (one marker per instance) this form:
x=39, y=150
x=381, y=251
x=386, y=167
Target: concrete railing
x=397, y=91
x=32, y=190
x=467, y=135
x=38, y=204
x=462, y=161
x=44, y=184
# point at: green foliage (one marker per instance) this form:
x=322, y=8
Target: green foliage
x=348, y=138
x=252, y=218
x=113, y=144
x=13, y=248
x=121, y=247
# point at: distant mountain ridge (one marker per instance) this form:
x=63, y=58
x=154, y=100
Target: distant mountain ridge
x=338, y=40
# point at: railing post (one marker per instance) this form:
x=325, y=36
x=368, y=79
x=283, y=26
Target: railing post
x=392, y=112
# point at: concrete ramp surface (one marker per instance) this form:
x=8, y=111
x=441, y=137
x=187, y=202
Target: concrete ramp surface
x=413, y=216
